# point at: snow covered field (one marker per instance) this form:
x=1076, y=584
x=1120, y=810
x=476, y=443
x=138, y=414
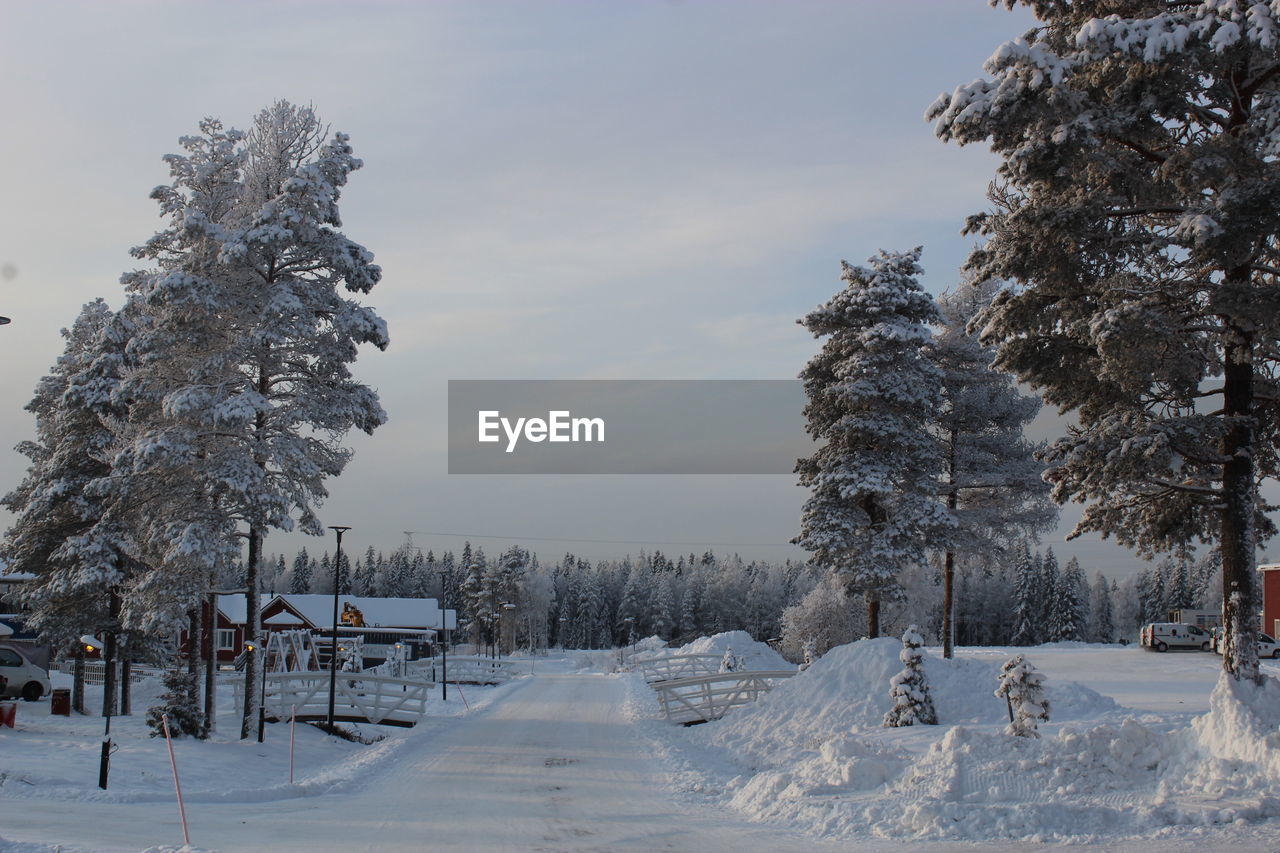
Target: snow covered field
x=575, y=758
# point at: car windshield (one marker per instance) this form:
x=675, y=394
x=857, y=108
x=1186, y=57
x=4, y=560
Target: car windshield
x=1266, y=639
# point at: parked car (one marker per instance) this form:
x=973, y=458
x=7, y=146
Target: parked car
x=1163, y=636
x=1267, y=646
x=23, y=677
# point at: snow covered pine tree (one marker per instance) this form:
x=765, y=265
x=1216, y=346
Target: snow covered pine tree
x=909, y=689
x=991, y=480
x=872, y=391
x=245, y=356
x=181, y=703
x=1136, y=206
x=1022, y=687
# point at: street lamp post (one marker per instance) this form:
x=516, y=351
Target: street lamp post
x=444, y=646
x=91, y=644
x=252, y=647
x=333, y=653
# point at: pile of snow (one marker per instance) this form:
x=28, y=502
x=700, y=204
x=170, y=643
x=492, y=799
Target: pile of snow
x=816, y=755
x=1232, y=753
x=753, y=654
x=847, y=690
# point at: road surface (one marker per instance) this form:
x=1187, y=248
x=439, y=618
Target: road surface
x=552, y=766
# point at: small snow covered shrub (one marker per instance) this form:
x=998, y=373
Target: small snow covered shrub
x=730, y=662
x=910, y=688
x=181, y=702
x=809, y=651
x=1022, y=686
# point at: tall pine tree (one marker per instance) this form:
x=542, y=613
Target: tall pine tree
x=1135, y=206
x=873, y=503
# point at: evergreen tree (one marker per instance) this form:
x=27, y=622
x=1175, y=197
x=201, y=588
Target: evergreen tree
x=633, y=606
x=1103, y=628
x=324, y=583
x=344, y=574
x=1026, y=605
x=1072, y=610
x=181, y=704
x=871, y=392
x=991, y=480
x=909, y=689
x=243, y=363
x=300, y=581
x=662, y=608
x=363, y=579
x=54, y=533
x=1050, y=603
x=1134, y=203
x=1022, y=686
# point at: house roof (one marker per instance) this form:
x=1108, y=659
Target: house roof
x=318, y=610
x=378, y=612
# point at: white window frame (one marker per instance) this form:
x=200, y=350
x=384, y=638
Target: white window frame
x=226, y=639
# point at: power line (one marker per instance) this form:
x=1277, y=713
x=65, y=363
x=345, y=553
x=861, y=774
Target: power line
x=609, y=541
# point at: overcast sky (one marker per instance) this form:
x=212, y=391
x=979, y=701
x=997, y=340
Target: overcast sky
x=555, y=190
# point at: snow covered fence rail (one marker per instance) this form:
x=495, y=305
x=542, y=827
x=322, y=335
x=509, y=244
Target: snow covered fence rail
x=467, y=670
x=358, y=697
x=702, y=698
x=94, y=671
x=669, y=667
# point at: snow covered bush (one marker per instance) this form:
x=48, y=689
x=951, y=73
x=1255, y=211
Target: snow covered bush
x=181, y=702
x=1022, y=686
x=730, y=662
x=910, y=688
x=822, y=620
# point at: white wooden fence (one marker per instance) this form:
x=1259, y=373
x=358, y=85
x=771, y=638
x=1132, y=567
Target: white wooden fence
x=358, y=697
x=701, y=698
x=94, y=671
x=465, y=669
x=668, y=667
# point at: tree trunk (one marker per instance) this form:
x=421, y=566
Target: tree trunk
x=209, y=609
x=77, y=680
x=252, y=629
x=109, y=656
x=1239, y=548
x=873, y=616
x=949, y=562
x=126, y=682
x=948, y=604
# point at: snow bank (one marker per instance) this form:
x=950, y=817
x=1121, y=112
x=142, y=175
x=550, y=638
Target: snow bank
x=1231, y=754
x=813, y=754
x=847, y=690
x=817, y=756
x=754, y=654
x=25, y=847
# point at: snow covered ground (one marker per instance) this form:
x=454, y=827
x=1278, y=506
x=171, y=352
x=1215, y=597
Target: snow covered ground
x=1132, y=758
x=1140, y=756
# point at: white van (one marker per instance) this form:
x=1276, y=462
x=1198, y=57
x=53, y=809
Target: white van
x=23, y=678
x=1163, y=636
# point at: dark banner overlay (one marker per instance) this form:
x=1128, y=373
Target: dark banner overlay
x=626, y=426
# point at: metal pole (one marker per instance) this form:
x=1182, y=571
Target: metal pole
x=444, y=653
x=333, y=654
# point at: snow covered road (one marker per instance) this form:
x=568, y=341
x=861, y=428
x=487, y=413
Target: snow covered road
x=552, y=766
